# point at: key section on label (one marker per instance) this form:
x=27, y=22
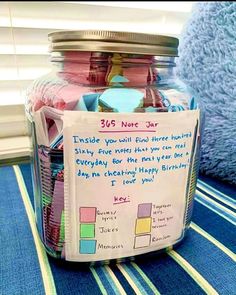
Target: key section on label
x=87, y=214
x=144, y=210
x=87, y=217
x=87, y=230
x=87, y=246
x=143, y=225
x=142, y=241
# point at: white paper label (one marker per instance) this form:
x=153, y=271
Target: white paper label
x=125, y=181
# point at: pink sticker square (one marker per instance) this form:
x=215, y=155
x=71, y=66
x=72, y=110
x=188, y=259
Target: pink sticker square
x=87, y=214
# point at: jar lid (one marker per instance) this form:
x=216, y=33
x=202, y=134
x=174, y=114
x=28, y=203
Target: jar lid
x=110, y=41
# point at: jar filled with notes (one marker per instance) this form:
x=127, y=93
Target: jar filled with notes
x=115, y=146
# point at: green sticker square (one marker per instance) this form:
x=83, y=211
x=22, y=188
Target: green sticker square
x=87, y=230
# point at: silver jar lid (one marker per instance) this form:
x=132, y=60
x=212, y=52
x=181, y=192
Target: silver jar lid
x=109, y=41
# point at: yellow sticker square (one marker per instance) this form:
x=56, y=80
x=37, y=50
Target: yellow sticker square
x=143, y=225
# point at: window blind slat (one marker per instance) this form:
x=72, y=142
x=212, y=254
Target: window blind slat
x=153, y=5
x=54, y=11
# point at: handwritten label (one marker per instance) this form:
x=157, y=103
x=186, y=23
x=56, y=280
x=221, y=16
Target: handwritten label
x=132, y=173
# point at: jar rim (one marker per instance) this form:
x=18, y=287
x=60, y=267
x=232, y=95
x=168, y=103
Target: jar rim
x=111, y=41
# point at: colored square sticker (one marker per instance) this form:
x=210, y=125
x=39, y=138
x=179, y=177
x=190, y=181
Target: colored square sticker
x=142, y=241
x=143, y=225
x=87, y=230
x=87, y=246
x=144, y=210
x=87, y=214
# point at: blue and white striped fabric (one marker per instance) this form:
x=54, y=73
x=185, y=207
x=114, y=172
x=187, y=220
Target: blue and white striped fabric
x=203, y=264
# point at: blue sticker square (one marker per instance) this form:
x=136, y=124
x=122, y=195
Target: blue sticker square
x=87, y=246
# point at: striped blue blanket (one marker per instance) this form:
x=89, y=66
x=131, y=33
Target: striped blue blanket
x=203, y=264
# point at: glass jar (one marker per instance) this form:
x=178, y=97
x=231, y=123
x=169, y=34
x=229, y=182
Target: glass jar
x=128, y=76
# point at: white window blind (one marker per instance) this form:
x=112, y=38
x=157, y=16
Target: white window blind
x=24, y=27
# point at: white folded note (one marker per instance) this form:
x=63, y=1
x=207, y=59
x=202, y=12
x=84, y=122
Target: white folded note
x=45, y=136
